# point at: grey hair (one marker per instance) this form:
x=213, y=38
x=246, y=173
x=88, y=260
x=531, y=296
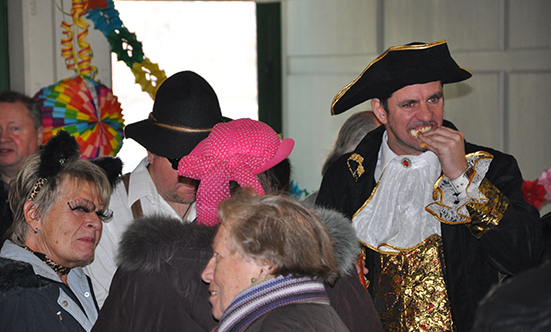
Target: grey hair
x=80, y=170
x=281, y=232
x=350, y=134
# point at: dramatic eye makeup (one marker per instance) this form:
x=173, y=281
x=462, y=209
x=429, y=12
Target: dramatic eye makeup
x=104, y=215
x=83, y=205
x=86, y=206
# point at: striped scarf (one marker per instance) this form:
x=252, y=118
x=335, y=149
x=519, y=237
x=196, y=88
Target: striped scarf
x=265, y=296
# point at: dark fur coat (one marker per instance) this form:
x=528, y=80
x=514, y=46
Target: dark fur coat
x=158, y=285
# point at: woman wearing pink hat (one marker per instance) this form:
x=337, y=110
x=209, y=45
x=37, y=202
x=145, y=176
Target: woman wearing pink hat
x=251, y=153
x=158, y=286
x=237, y=151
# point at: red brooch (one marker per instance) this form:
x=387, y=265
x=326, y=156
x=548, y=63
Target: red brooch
x=406, y=162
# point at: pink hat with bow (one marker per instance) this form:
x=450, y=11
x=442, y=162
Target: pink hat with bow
x=236, y=150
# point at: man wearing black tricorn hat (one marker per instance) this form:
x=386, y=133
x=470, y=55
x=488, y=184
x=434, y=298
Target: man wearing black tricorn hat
x=439, y=218
x=184, y=112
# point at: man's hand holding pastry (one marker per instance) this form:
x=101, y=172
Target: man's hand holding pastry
x=449, y=146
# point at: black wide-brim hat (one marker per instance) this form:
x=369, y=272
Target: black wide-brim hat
x=184, y=112
x=397, y=67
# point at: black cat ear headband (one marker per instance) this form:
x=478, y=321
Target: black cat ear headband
x=61, y=148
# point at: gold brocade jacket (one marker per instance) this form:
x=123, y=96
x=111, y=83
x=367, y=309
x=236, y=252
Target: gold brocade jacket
x=474, y=252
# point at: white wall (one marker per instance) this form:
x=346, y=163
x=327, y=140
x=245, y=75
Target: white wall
x=505, y=43
x=35, y=34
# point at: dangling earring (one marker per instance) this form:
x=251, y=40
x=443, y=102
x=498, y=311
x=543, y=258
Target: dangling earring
x=253, y=280
x=36, y=230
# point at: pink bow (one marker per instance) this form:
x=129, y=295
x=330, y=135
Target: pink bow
x=215, y=174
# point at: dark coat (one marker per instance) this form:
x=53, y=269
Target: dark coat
x=304, y=317
x=158, y=285
x=30, y=303
x=6, y=216
x=546, y=231
x=354, y=305
x=521, y=303
x=159, y=276
x=472, y=265
x=348, y=297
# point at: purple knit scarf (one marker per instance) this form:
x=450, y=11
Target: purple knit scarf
x=267, y=295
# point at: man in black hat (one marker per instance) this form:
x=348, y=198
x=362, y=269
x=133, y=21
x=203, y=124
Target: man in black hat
x=185, y=110
x=439, y=218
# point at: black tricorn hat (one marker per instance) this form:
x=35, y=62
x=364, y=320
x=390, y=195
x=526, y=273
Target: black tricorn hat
x=397, y=67
x=184, y=112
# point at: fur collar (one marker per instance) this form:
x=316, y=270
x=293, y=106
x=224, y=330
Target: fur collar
x=149, y=241
x=16, y=274
x=347, y=246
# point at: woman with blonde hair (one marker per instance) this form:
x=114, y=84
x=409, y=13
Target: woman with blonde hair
x=59, y=202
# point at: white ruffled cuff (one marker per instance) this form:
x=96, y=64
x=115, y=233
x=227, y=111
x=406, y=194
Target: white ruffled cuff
x=450, y=206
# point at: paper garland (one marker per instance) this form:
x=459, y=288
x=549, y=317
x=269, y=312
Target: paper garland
x=125, y=45
x=87, y=109
x=85, y=54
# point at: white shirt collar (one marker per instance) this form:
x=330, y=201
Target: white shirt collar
x=141, y=184
x=386, y=155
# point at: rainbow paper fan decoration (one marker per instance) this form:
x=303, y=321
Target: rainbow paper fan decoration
x=88, y=110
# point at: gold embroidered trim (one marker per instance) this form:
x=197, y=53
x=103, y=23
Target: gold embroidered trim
x=177, y=127
x=487, y=216
x=395, y=247
x=360, y=169
x=369, y=198
x=437, y=193
x=391, y=49
x=410, y=291
x=363, y=257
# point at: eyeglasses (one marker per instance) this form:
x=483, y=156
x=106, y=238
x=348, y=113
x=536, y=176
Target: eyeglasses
x=174, y=162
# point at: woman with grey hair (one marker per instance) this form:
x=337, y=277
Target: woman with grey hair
x=271, y=257
x=59, y=201
x=351, y=133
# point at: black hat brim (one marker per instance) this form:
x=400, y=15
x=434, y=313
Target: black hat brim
x=400, y=66
x=164, y=142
